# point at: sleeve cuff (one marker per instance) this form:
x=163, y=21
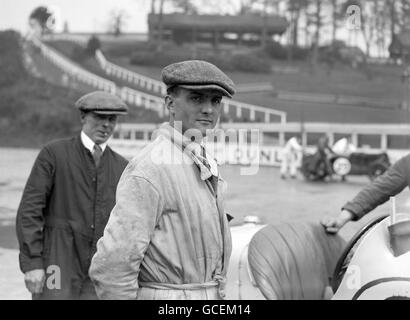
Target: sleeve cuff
x=355, y=210
x=28, y=264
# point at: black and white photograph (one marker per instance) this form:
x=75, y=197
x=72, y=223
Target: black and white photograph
x=230, y=150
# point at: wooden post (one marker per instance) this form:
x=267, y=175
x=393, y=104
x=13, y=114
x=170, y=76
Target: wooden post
x=355, y=139
x=252, y=114
x=281, y=138
x=238, y=111
x=384, y=142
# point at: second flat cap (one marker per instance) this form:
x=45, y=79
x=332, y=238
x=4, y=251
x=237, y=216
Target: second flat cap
x=198, y=74
x=102, y=103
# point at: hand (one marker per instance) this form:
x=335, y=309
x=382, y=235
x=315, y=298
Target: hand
x=333, y=224
x=34, y=280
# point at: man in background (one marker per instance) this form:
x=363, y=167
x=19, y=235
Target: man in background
x=291, y=157
x=344, y=146
x=67, y=201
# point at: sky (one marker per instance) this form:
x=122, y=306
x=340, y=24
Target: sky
x=94, y=15
x=81, y=15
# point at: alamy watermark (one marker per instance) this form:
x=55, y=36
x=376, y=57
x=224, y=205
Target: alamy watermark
x=53, y=277
x=226, y=146
x=353, y=17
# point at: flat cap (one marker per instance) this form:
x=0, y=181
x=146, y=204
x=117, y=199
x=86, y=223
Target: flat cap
x=102, y=103
x=199, y=75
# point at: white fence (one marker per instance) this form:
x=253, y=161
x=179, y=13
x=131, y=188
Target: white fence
x=263, y=143
x=143, y=99
x=131, y=96
x=130, y=76
x=79, y=39
x=74, y=70
x=267, y=114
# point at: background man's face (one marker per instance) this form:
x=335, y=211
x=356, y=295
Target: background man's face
x=196, y=109
x=98, y=127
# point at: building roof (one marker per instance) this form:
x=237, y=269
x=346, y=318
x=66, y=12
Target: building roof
x=226, y=23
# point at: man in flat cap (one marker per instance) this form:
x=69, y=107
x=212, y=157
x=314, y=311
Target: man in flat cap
x=168, y=235
x=67, y=201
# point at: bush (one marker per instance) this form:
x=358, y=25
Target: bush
x=79, y=54
x=12, y=67
x=93, y=45
x=34, y=112
x=299, y=53
x=276, y=51
x=160, y=59
x=252, y=62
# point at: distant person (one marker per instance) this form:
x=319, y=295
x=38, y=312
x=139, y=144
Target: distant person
x=324, y=151
x=344, y=147
x=168, y=235
x=67, y=201
x=290, y=157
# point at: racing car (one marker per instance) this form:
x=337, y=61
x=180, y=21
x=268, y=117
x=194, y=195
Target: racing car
x=299, y=260
x=358, y=163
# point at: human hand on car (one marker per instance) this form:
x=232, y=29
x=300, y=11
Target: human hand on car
x=34, y=280
x=333, y=224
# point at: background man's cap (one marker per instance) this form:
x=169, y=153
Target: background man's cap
x=102, y=103
x=197, y=74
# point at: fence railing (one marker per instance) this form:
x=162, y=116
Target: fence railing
x=371, y=136
x=129, y=95
x=79, y=39
x=130, y=76
x=145, y=100
x=255, y=113
x=74, y=70
x=159, y=88
x=264, y=142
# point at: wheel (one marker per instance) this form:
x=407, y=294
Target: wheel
x=347, y=254
x=342, y=166
x=306, y=167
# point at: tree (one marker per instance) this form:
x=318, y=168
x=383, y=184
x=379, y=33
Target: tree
x=117, y=21
x=381, y=24
x=187, y=6
x=42, y=19
x=264, y=8
x=245, y=7
x=294, y=8
x=405, y=8
x=93, y=45
x=337, y=16
x=160, y=24
x=66, y=29
x=153, y=2
x=316, y=18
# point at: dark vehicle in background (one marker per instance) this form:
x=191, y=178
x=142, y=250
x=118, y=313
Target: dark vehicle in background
x=358, y=163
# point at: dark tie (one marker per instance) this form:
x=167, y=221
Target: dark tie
x=97, y=153
x=204, y=160
x=212, y=179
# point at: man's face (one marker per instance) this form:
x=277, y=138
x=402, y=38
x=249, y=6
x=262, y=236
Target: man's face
x=196, y=109
x=98, y=127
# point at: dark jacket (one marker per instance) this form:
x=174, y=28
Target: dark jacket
x=392, y=182
x=64, y=209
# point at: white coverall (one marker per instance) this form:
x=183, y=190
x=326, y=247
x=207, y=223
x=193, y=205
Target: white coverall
x=343, y=147
x=290, y=157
